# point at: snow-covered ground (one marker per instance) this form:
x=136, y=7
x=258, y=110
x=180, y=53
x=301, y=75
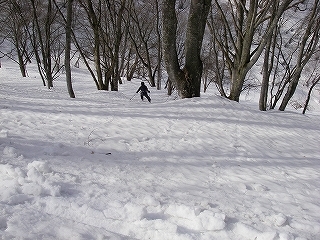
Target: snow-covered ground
x=102, y=166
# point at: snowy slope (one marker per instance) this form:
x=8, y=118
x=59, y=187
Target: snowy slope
x=103, y=167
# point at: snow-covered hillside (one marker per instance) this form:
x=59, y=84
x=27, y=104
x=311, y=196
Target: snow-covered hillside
x=102, y=166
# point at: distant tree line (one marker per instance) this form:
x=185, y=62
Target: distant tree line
x=182, y=45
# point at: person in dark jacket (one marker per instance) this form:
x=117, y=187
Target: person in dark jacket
x=144, y=91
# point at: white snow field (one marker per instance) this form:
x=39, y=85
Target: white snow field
x=102, y=166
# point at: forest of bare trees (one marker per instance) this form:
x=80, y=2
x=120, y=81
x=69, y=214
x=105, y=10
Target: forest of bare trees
x=185, y=46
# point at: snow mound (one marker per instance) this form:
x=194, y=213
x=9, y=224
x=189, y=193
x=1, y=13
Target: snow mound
x=21, y=185
x=189, y=218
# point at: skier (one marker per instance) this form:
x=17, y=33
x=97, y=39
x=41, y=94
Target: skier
x=144, y=92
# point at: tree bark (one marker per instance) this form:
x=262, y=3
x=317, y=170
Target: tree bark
x=47, y=46
x=266, y=71
x=194, y=36
x=169, y=30
x=68, y=49
x=187, y=80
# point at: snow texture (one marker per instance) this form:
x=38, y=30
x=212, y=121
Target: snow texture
x=102, y=166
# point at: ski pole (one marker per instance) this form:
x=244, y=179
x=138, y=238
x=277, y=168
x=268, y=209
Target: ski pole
x=133, y=96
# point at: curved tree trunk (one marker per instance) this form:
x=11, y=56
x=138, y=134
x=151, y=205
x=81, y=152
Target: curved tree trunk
x=309, y=95
x=291, y=89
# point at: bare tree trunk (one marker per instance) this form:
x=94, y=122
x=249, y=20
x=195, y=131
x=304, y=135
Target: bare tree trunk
x=169, y=43
x=131, y=70
x=307, y=48
x=309, y=95
x=69, y=34
x=159, y=60
x=169, y=87
x=68, y=49
x=22, y=65
x=195, y=30
x=118, y=37
x=237, y=44
x=94, y=22
x=188, y=80
x=47, y=46
x=266, y=72
x=44, y=43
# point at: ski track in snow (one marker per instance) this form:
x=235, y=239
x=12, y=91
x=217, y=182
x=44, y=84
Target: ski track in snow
x=103, y=167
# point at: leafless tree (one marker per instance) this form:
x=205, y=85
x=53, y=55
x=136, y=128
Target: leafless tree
x=308, y=42
x=105, y=19
x=314, y=83
x=68, y=48
x=214, y=58
x=14, y=30
x=113, y=37
x=187, y=80
x=247, y=26
x=46, y=39
x=144, y=31
x=270, y=64
x=94, y=17
x=288, y=53
x=34, y=31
